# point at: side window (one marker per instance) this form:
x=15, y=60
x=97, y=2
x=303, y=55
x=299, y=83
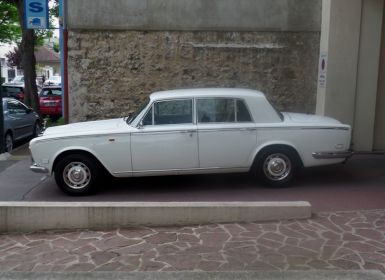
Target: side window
x=243, y=114
x=147, y=120
x=216, y=110
x=15, y=107
x=173, y=112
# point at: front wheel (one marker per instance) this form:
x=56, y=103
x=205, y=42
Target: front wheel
x=77, y=174
x=8, y=141
x=277, y=166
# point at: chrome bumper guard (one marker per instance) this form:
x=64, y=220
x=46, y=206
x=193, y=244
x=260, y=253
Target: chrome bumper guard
x=332, y=155
x=38, y=169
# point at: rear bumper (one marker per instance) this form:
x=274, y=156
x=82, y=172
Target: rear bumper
x=50, y=110
x=38, y=169
x=332, y=155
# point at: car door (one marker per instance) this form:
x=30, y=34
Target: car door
x=19, y=119
x=166, y=140
x=227, y=134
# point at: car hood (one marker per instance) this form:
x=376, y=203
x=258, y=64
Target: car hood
x=86, y=128
x=307, y=119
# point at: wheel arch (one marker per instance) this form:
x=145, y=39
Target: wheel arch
x=77, y=151
x=277, y=145
x=10, y=131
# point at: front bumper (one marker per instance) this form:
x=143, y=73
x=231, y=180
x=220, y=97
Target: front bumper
x=38, y=169
x=332, y=155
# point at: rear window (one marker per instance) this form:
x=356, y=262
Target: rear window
x=12, y=89
x=51, y=92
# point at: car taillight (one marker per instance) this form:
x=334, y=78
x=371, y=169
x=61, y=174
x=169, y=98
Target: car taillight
x=20, y=96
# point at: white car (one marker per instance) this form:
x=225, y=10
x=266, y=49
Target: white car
x=191, y=131
x=53, y=81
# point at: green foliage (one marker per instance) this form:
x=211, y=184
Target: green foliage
x=52, y=122
x=10, y=30
x=56, y=47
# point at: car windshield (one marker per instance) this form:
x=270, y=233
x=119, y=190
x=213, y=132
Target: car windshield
x=50, y=92
x=18, y=79
x=137, y=112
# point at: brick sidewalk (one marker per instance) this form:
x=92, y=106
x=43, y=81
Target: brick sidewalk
x=345, y=240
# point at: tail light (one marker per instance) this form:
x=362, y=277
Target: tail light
x=20, y=96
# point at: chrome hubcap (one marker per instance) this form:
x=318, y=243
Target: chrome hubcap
x=77, y=175
x=277, y=167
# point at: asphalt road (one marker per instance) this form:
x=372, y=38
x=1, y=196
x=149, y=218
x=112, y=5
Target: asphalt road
x=358, y=184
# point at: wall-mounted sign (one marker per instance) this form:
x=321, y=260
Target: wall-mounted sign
x=36, y=14
x=322, y=70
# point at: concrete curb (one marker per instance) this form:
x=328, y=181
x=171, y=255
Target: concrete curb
x=185, y=275
x=37, y=216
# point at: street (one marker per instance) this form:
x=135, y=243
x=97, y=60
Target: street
x=357, y=185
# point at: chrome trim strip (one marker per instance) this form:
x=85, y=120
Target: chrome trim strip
x=303, y=128
x=38, y=169
x=197, y=130
x=184, y=170
x=181, y=131
x=83, y=136
x=332, y=155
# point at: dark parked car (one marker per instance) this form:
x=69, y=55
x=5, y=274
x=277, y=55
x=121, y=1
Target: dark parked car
x=20, y=122
x=13, y=90
x=50, y=100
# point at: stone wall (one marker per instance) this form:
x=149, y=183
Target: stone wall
x=111, y=72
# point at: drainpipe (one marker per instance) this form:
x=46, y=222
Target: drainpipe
x=2, y=140
x=63, y=59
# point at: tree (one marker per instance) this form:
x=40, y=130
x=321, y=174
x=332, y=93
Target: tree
x=10, y=29
x=14, y=58
x=28, y=60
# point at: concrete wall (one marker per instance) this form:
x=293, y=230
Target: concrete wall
x=249, y=15
x=379, y=128
x=120, y=51
x=111, y=72
x=351, y=39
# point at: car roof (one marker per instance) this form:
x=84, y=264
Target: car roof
x=206, y=92
x=10, y=98
x=19, y=85
x=51, y=87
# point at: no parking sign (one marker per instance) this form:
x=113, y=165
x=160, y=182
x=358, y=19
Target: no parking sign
x=36, y=14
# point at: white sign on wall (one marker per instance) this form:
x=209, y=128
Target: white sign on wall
x=322, y=70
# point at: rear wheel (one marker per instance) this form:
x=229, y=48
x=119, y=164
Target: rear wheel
x=277, y=166
x=8, y=141
x=77, y=174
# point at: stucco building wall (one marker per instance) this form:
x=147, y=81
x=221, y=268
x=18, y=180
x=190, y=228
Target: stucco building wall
x=118, y=56
x=111, y=72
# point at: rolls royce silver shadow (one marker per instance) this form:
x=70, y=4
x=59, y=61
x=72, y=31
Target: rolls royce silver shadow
x=191, y=131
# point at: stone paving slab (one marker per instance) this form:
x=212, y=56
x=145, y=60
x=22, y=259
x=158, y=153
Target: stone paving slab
x=265, y=275
x=327, y=241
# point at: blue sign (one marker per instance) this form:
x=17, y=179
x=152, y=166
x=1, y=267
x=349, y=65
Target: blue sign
x=36, y=14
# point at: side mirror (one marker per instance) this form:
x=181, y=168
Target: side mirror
x=29, y=110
